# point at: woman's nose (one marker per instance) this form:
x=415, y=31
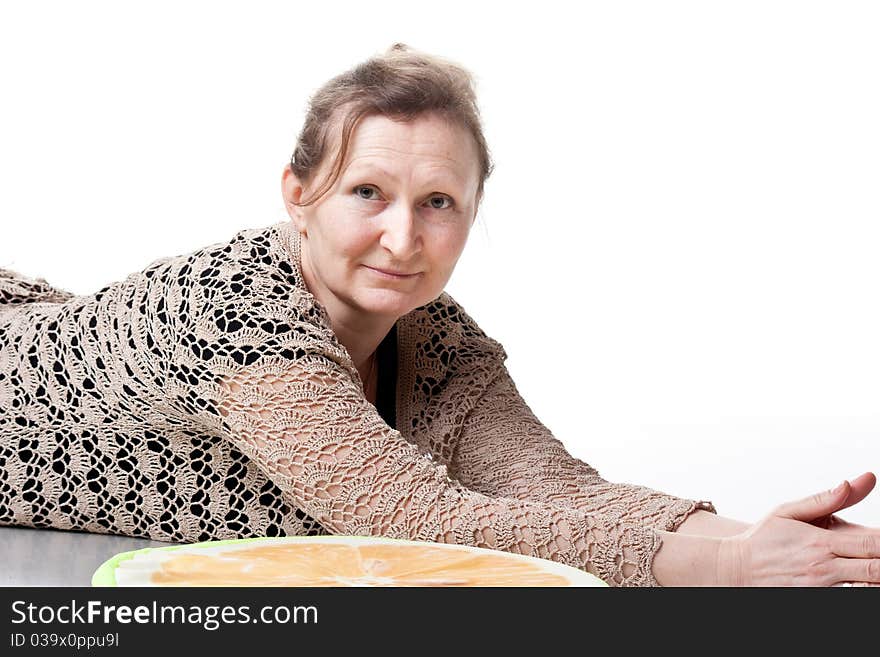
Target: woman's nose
x=400, y=231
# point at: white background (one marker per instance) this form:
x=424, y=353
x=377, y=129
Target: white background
x=685, y=198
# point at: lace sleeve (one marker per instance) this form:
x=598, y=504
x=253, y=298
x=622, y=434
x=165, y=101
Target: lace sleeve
x=305, y=422
x=504, y=450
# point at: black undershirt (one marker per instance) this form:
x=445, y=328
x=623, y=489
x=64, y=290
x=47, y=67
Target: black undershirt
x=386, y=395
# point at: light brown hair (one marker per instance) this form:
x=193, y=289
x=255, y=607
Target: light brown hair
x=402, y=84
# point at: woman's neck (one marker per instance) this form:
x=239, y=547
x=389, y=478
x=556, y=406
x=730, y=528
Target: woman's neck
x=370, y=378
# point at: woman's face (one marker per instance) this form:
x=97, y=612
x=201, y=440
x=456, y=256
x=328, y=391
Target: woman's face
x=404, y=202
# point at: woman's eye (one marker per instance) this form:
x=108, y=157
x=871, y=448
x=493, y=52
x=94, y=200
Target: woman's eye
x=360, y=188
x=441, y=199
x=365, y=192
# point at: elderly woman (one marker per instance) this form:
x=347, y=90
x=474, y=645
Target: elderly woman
x=313, y=377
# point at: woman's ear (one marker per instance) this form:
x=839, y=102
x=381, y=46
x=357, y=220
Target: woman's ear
x=291, y=191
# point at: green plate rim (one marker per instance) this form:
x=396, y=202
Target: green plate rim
x=105, y=575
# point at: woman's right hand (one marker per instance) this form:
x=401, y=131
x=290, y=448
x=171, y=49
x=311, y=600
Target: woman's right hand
x=785, y=549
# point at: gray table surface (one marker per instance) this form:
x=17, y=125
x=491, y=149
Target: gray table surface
x=54, y=557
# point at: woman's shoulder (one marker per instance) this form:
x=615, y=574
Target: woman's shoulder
x=253, y=248
x=253, y=264
x=19, y=288
x=444, y=326
x=240, y=294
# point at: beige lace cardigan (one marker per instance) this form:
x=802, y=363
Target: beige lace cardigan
x=206, y=397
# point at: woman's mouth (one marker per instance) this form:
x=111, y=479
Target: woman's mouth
x=391, y=275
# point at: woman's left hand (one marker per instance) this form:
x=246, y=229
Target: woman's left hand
x=858, y=490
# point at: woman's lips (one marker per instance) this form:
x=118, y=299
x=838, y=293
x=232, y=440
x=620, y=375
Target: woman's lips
x=391, y=276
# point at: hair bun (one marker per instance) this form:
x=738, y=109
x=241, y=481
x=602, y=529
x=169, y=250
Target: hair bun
x=398, y=46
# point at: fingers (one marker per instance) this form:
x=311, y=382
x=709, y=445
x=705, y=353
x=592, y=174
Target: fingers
x=815, y=506
x=862, y=571
x=854, y=584
x=859, y=489
x=856, y=546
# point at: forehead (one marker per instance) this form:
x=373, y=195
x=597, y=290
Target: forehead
x=427, y=143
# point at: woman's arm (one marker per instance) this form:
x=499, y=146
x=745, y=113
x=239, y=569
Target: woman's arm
x=305, y=423
x=705, y=523
x=504, y=450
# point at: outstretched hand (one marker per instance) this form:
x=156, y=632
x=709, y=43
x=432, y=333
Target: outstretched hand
x=802, y=543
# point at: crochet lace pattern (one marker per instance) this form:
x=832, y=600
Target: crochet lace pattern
x=206, y=397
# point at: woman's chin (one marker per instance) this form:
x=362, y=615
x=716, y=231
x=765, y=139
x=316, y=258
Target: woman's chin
x=390, y=302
